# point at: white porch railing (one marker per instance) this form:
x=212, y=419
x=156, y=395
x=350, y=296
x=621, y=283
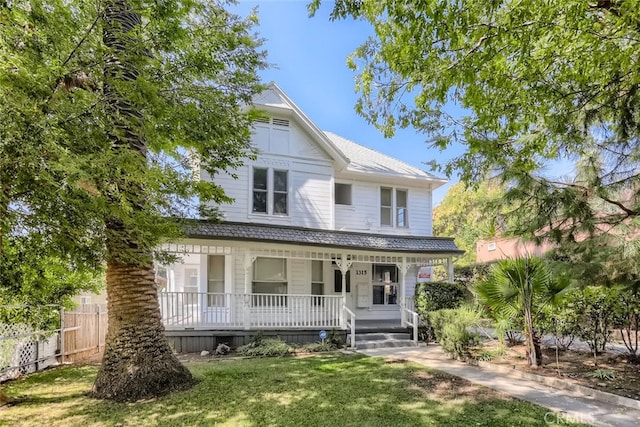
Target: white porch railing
x=249, y=311
x=350, y=324
x=412, y=319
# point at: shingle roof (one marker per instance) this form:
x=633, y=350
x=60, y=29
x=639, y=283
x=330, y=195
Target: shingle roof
x=364, y=159
x=203, y=229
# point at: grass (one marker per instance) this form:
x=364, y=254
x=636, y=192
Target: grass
x=327, y=390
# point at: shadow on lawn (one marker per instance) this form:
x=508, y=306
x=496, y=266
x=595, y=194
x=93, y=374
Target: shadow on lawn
x=325, y=390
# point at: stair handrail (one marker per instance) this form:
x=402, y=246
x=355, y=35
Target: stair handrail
x=414, y=323
x=351, y=324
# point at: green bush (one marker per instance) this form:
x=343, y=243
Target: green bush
x=266, y=347
x=451, y=329
x=432, y=296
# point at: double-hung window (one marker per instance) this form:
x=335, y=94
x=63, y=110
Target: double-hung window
x=215, y=281
x=402, y=219
x=270, y=277
x=386, y=206
x=270, y=191
x=317, y=281
x=394, y=207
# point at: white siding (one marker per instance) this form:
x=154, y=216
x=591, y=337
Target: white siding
x=299, y=283
x=364, y=213
x=310, y=179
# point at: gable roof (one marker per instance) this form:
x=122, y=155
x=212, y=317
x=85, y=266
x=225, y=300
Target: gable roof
x=350, y=156
x=366, y=160
x=282, y=101
x=203, y=229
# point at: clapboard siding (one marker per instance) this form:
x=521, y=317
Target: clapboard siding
x=311, y=200
x=364, y=212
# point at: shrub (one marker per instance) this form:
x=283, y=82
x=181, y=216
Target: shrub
x=451, y=329
x=432, y=296
x=488, y=355
x=603, y=374
x=595, y=305
x=335, y=338
x=561, y=321
x=317, y=347
x=266, y=347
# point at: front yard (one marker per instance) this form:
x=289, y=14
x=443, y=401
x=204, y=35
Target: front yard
x=327, y=390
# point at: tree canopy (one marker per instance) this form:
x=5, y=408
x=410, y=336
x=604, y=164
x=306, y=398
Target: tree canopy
x=517, y=84
x=469, y=214
x=109, y=112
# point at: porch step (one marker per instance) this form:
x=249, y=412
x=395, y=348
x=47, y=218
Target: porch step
x=383, y=340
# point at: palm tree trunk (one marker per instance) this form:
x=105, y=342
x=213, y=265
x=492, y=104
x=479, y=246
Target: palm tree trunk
x=138, y=362
x=533, y=344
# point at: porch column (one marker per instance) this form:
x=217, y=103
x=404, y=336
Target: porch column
x=450, y=268
x=403, y=267
x=343, y=264
x=246, y=303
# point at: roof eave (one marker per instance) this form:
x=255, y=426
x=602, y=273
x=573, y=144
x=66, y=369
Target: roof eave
x=338, y=156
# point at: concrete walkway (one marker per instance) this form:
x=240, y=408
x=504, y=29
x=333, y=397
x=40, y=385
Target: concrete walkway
x=568, y=405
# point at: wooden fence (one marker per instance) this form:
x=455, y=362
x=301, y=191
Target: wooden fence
x=85, y=331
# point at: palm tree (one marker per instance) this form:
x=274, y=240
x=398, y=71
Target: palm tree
x=520, y=288
x=138, y=361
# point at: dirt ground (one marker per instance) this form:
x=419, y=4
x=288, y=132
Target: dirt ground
x=578, y=367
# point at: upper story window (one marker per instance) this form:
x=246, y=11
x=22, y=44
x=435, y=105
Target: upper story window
x=270, y=191
x=342, y=194
x=394, y=207
x=401, y=208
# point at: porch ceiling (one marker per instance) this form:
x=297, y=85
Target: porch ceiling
x=203, y=229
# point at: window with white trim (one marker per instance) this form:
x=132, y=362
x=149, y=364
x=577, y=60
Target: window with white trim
x=260, y=190
x=270, y=277
x=270, y=191
x=385, y=284
x=215, y=281
x=394, y=207
x=190, y=279
x=280, y=190
x=402, y=219
x=317, y=281
x=342, y=194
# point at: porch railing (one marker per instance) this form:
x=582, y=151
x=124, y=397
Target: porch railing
x=249, y=311
x=350, y=324
x=412, y=319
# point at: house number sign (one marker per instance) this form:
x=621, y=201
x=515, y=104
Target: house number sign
x=361, y=272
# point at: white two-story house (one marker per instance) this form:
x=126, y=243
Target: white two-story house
x=323, y=233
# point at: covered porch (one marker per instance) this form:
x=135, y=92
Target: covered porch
x=277, y=278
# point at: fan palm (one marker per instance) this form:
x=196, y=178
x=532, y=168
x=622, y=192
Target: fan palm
x=520, y=288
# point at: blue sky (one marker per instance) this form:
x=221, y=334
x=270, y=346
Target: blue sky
x=309, y=57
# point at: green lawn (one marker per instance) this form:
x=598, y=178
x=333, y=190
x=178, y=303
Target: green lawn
x=328, y=390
